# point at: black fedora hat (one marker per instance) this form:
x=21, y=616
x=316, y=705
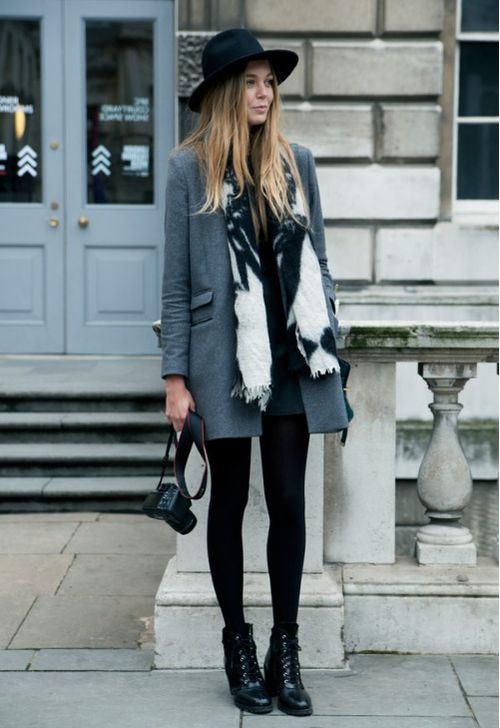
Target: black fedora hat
x=229, y=48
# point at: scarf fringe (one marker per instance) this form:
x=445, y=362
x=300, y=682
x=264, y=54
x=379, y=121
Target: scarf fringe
x=335, y=367
x=261, y=393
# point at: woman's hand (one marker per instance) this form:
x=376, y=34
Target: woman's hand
x=178, y=400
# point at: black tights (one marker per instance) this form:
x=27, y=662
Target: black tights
x=284, y=443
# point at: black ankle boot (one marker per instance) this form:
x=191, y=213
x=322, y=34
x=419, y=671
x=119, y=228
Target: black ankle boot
x=282, y=670
x=243, y=673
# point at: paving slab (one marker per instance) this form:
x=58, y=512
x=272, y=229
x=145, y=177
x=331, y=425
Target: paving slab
x=48, y=516
x=35, y=538
x=15, y=659
x=402, y=685
x=113, y=574
x=175, y=699
x=85, y=621
x=352, y=721
x=486, y=711
x=117, y=700
x=477, y=673
x=32, y=574
x=127, y=518
x=13, y=610
x=93, y=659
x=151, y=537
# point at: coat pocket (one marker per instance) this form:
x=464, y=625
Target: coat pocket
x=201, y=307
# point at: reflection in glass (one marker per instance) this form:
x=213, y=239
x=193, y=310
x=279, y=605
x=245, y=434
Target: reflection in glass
x=479, y=16
x=477, y=162
x=20, y=111
x=119, y=112
x=478, y=79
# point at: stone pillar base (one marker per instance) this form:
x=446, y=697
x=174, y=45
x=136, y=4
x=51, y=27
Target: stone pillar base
x=188, y=620
x=442, y=544
x=429, y=554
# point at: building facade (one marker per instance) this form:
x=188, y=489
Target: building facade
x=397, y=99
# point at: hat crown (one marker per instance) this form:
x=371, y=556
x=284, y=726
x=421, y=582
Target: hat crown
x=226, y=47
x=229, y=50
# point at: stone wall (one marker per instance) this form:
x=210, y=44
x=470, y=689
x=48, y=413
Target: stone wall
x=366, y=97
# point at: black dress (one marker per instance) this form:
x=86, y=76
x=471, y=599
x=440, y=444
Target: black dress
x=286, y=398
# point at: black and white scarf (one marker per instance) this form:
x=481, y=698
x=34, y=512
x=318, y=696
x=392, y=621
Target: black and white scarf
x=311, y=342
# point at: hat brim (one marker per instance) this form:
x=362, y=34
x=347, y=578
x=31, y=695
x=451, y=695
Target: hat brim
x=282, y=60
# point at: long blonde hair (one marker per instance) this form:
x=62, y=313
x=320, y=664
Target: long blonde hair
x=223, y=130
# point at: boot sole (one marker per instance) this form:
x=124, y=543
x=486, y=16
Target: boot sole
x=257, y=709
x=291, y=711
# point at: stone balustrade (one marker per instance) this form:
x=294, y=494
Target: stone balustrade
x=359, y=519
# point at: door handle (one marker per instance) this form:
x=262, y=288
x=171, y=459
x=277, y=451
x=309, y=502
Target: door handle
x=83, y=221
x=53, y=222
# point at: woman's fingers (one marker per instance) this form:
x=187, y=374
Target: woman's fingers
x=175, y=418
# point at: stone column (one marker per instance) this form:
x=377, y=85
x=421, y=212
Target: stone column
x=444, y=479
x=360, y=476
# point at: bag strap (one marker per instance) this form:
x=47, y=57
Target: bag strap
x=193, y=431
x=165, y=459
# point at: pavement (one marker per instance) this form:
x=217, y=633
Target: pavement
x=77, y=596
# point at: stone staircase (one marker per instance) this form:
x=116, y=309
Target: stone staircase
x=64, y=441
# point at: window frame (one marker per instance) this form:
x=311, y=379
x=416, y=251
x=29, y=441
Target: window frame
x=482, y=211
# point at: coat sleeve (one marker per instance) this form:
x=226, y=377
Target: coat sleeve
x=176, y=283
x=318, y=227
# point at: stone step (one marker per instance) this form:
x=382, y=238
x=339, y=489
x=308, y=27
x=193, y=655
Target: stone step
x=77, y=427
x=26, y=494
x=81, y=459
x=73, y=401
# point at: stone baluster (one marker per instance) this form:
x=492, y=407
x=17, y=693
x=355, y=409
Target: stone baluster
x=444, y=480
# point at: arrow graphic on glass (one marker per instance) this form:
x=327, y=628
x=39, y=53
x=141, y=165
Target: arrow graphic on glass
x=27, y=161
x=101, y=160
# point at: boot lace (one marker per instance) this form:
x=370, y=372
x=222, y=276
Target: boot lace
x=288, y=650
x=246, y=660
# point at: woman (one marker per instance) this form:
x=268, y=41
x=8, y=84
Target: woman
x=249, y=328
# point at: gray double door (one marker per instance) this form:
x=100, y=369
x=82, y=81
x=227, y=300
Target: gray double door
x=87, y=116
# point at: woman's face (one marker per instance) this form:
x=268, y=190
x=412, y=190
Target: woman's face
x=259, y=90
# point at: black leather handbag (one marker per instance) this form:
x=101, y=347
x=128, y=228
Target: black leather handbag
x=171, y=501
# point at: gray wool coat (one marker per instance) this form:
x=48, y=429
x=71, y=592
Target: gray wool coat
x=198, y=325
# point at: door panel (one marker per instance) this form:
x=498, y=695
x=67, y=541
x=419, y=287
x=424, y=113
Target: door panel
x=31, y=171
x=116, y=169
x=87, y=116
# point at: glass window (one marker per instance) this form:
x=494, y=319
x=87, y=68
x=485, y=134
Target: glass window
x=476, y=158
x=479, y=16
x=20, y=111
x=477, y=162
x=119, y=112
x=478, y=88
